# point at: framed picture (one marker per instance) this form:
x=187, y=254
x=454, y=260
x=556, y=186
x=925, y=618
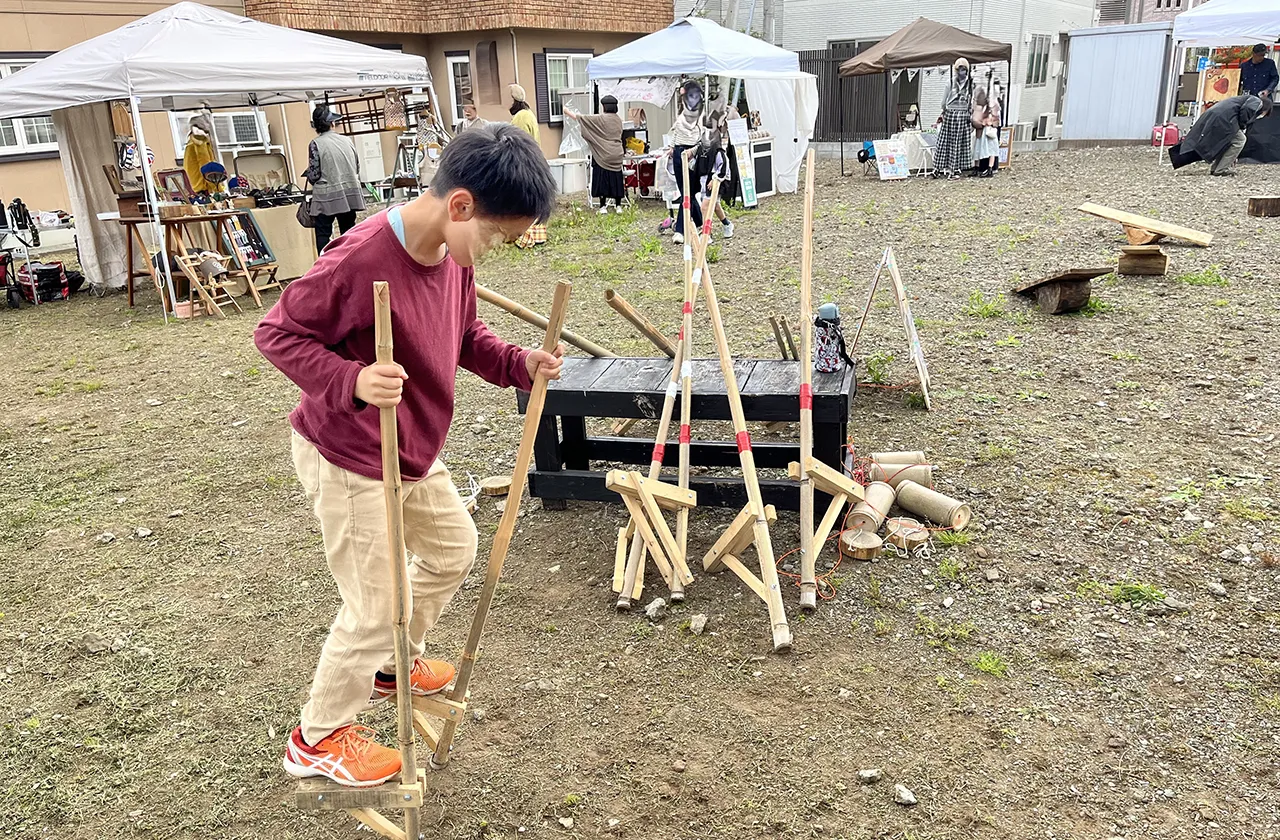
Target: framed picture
x=174, y=185
x=248, y=240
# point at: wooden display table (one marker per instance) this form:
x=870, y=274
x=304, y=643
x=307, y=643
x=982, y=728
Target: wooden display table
x=176, y=232
x=624, y=388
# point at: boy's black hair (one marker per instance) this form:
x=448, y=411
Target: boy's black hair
x=504, y=170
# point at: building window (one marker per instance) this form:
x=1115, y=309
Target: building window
x=459, y=84
x=25, y=135
x=233, y=130
x=1038, y=61
x=565, y=72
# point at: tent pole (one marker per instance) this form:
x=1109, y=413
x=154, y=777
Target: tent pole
x=288, y=146
x=841, y=95
x=888, y=89
x=149, y=185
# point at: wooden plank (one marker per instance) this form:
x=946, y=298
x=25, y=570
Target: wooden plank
x=1144, y=264
x=439, y=706
x=320, y=794
x=651, y=540
x=1264, y=206
x=772, y=376
x=1140, y=249
x=1069, y=274
x=667, y=497
x=769, y=455
x=632, y=375
x=713, y=491
x=377, y=823
x=713, y=560
x=424, y=728
x=832, y=481
x=747, y=576
x=619, y=559
x=1195, y=237
x=680, y=571
x=709, y=379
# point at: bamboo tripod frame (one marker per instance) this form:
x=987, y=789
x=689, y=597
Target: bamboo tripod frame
x=808, y=556
x=631, y=583
x=366, y=804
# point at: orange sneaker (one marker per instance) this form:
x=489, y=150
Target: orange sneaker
x=428, y=676
x=348, y=756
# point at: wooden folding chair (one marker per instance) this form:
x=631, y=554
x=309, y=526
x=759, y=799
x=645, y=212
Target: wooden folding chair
x=212, y=292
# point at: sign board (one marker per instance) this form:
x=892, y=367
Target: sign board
x=740, y=137
x=1006, y=145
x=889, y=262
x=891, y=158
x=1202, y=63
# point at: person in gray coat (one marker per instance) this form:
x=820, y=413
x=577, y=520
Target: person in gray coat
x=1219, y=135
x=333, y=170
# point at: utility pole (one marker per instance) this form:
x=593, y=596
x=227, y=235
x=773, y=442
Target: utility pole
x=731, y=15
x=768, y=21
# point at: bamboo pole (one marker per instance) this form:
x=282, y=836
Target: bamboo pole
x=635, y=557
x=866, y=310
x=529, y=316
x=777, y=336
x=637, y=320
x=808, y=551
x=506, y=526
x=763, y=542
x=393, y=494
x=786, y=333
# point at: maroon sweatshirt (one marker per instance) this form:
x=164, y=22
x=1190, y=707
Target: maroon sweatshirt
x=320, y=334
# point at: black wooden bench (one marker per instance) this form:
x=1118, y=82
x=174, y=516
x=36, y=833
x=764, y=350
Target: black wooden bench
x=627, y=388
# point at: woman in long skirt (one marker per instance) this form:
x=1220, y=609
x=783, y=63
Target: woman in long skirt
x=951, y=155
x=603, y=133
x=986, y=132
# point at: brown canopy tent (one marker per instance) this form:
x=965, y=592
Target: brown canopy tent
x=925, y=43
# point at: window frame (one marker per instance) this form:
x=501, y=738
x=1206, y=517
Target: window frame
x=1038, y=61
x=9, y=66
x=453, y=59
x=568, y=57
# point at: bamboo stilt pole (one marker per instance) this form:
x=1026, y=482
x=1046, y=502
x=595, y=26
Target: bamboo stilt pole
x=506, y=526
x=808, y=551
x=508, y=305
x=866, y=310
x=777, y=336
x=763, y=542
x=637, y=320
x=786, y=333
x=393, y=494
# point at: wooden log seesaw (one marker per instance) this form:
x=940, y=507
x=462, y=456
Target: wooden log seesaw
x=412, y=713
x=1141, y=230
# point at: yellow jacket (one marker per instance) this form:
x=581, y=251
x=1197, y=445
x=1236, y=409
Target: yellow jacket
x=524, y=119
x=199, y=152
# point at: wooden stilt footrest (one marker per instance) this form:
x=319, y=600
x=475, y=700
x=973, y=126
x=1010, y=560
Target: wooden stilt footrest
x=325, y=795
x=735, y=540
x=646, y=499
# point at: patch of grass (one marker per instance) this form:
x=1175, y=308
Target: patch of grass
x=1211, y=276
x=1241, y=509
x=875, y=596
x=713, y=254
x=253, y=371
x=974, y=334
x=991, y=663
x=990, y=399
x=1127, y=385
x=1028, y=396
x=1188, y=492
x=88, y=386
x=1029, y=374
x=1125, y=356
x=1220, y=302
x=1010, y=341
x=882, y=626
x=944, y=634
x=914, y=399
x=950, y=568
x=572, y=800
x=951, y=539
x=1095, y=307
x=1136, y=593
x=53, y=389
x=69, y=363
x=964, y=258
x=878, y=366
x=1270, y=704
x=981, y=307
x=649, y=248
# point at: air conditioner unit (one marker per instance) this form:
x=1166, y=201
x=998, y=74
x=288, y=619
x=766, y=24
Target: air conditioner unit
x=1046, y=126
x=1022, y=132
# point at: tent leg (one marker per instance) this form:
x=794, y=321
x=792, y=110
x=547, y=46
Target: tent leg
x=841, y=96
x=149, y=186
x=888, y=92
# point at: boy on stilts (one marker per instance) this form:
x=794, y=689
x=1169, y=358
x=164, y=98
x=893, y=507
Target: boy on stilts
x=491, y=185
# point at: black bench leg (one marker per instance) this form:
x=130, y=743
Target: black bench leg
x=573, y=446
x=547, y=458
x=828, y=443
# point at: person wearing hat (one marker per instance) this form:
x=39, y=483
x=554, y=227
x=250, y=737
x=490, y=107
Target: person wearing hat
x=1258, y=75
x=952, y=152
x=521, y=116
x=333, y=170
x=603, y=133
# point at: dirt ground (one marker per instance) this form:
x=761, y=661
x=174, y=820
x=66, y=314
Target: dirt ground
x=1098, y=657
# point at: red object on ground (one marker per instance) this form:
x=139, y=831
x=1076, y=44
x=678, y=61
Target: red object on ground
x=1168, y=133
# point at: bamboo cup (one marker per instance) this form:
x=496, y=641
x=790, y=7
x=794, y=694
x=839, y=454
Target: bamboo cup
x=933, y=506
x=869, y=514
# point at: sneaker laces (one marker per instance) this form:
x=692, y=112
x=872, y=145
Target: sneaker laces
x=353, y=742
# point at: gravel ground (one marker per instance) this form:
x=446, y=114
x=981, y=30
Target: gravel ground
x=1098, y=657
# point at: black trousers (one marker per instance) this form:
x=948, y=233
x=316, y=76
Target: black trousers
x=695, y=207
x=324, y=227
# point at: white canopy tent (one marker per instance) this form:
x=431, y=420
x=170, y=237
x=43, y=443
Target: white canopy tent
x=786, y=97
x=1222, y=23
x=180, y=58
